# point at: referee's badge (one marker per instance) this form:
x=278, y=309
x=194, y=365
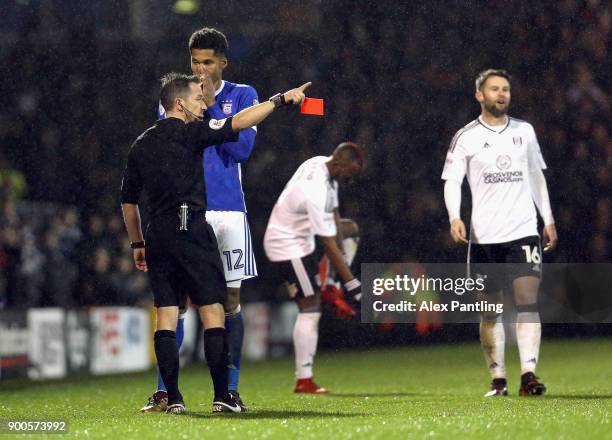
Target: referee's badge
x=226, y=107
x=216, y=124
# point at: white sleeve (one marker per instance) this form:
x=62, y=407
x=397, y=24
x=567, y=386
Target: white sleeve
x=455, y=165
x=539, y=192
x=322, y=221
x=336, y=202
x=534, y=153
x=452, y=199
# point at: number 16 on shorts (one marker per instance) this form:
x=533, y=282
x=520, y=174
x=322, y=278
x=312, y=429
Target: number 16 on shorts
x=532, y=254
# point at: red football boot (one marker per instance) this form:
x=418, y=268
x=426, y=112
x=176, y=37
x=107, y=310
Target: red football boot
x=309, y=387
x=333, y=296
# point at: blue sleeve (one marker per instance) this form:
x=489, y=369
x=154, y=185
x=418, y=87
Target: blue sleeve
x=215, y=112
x=241, y=150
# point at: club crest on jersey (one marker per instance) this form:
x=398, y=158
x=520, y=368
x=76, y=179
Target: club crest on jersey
x=518, y=140
x=226, y=107
x=503, y=162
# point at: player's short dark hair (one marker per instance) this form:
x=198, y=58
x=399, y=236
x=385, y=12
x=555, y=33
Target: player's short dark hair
x=350, y=151
x=485, y=74
x=175, y=85
x=209, y=38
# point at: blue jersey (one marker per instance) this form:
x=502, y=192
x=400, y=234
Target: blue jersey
x=221, y=162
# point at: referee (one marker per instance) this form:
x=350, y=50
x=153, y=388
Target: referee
x=181, y=251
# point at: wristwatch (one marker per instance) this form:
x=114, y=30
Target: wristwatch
x=278, y=100
x=137, y=245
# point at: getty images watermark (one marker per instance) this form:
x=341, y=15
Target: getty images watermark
x=405, y=284
x=457, y=293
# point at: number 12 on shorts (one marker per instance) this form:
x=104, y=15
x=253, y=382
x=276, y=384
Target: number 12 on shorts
x=532, y=254
x=237, y=259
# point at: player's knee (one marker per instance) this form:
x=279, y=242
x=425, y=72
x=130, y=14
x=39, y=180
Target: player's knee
x=167, y=318
x=233, y=300
x=491, y=317
x=212, y=316
x=309, y=302
x=349, y=228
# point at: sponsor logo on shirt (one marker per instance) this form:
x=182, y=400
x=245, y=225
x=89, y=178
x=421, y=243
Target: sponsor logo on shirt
x=518, y=140
x=503, y=162
x=216, y=124
x=503, y=177
x=226, y=107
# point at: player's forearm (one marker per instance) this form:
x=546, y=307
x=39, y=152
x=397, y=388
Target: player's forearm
x=539, y=192
x=336, y=259
x=252, y=116
x=131, y=217
x=452, y=199
x=241, y=150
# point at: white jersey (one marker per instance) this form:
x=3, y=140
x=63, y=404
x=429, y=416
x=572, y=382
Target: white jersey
x=497, y=161
x=304, y=209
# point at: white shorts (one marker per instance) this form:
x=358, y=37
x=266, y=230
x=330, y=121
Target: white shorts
x=235, y=246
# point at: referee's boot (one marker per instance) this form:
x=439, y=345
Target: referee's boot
x=158, y=402
x=226, y=403
x=238, y=400
x=499, y=387
x=176, y=408
x=531, y=386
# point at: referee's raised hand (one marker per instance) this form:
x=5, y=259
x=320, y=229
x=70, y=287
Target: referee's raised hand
x=296, y=96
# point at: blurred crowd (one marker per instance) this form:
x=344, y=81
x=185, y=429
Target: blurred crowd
x=396, y=77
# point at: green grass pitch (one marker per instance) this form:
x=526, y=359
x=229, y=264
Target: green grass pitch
x=412, y=392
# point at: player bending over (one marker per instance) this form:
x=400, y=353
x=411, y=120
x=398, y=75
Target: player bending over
x=308, y=206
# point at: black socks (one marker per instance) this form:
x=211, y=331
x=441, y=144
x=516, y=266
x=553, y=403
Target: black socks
x=166, y=350
x=216, y=351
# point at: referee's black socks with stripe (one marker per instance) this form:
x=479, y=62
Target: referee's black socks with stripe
x=166, y=350
x=216, y=351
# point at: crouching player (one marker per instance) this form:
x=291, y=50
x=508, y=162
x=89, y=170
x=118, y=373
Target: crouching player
x=308, y=206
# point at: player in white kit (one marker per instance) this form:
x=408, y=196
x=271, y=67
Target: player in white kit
x=308, y=206
x=501, y=158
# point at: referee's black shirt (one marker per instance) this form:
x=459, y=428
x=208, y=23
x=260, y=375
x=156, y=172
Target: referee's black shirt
x=166, y=161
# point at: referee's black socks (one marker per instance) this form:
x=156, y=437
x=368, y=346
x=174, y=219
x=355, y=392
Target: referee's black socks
x=215, y=349
x=166, y=350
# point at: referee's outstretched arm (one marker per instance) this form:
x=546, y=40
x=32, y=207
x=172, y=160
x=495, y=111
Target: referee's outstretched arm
x=254, y=115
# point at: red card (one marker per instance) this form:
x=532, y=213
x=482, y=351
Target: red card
x=312, y=106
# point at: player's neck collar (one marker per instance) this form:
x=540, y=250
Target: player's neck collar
x=220, y=88
x=495, y=128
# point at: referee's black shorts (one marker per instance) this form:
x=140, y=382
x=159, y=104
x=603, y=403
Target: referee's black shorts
x=184, y=263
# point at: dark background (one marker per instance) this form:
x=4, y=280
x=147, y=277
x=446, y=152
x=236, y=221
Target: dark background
x=80, y=81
